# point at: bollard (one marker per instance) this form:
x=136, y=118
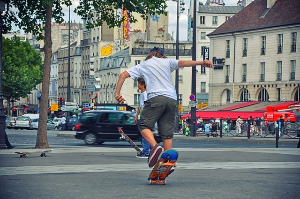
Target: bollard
x=277, y=136
x=221, y=127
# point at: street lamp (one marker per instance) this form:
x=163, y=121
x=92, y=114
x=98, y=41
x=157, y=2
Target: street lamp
x=2, y=115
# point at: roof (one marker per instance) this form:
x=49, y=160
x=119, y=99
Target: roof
x=282, y=13
x=219, y=9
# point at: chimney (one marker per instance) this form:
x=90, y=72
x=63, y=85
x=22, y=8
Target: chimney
x=270, y=3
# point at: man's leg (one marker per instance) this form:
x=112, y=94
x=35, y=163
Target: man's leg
x=148, y=135
x=167, y=143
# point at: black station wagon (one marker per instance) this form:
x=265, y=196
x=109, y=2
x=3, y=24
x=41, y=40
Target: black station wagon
x=99, y=126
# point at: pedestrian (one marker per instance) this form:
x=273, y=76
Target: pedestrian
x=63, y=122
x=142, y=99
x=161, y=106
x=238, y=125
x=266, y=127
x=187, y=130
x=207, y=128
x=228, y=121
x=281, y=124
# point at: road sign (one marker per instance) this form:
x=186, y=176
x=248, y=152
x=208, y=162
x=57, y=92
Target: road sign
x=54, y=107
x=192, y=104
x=179, y=107
x=192, y=97
x=91, y=88
x=91, y=80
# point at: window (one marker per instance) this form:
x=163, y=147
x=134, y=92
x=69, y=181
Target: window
x=108, y=118
x=227, y=74
x=227, y=48
x=227, y=18
x=245, y=95
x=137, y=62
x=126, y=119
x=279, y=70
x=202, y=19
x=135, y=83
x=278, y=94
x=203, y=35
x=294, y=39
x=136, y=99
x=244, y=73
x=263, y=95
x=214, y=20
x=293, y=69
x=180, y=98
x=262, y=71
x=280, y=43
x=203, y=70
x=263, y=45
x=180, y=78
x=245, y=44
x=203, y=85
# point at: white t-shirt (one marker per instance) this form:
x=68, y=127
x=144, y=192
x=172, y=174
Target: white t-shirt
x=157, y=73
x=143, y=98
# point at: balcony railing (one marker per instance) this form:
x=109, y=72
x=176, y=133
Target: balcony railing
x=244, y=78
x=292, y=75
x=202, y=90
x=263, y=51
x=227, y=79
x=279, y=49
x=245, y=53
x=262, y=77
x=293, y=48
x=279, y=76
x=167, y=52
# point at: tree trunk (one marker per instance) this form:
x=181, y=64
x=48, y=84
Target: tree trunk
x=42, y=140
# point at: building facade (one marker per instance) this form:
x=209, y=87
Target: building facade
x=257, y=56
x=209, y=17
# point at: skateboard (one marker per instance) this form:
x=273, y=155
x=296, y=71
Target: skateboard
x=125, y=137
x=163, y=167
x=42, y=153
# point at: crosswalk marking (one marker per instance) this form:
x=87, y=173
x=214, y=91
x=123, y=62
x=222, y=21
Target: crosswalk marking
x=97, y=168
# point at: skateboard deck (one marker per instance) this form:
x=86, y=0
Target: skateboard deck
x=125, y=137
x=163, y=167
x=42, y=153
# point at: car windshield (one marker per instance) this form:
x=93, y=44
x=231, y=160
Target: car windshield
x=23, y=118
x=57, y=120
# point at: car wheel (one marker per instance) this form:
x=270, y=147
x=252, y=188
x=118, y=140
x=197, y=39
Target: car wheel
x=90, y=139
x=73, y=128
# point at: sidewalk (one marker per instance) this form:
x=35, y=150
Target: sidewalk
x=204, y=138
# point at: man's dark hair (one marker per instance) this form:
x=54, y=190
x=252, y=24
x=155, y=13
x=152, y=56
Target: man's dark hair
x=141, y=81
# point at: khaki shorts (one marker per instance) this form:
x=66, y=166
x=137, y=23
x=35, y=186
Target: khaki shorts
x=162, y=110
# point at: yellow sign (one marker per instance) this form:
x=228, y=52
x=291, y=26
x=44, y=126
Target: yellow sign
x=179, y=107
x=202, y=105
x=54, y=107
x=105, y=51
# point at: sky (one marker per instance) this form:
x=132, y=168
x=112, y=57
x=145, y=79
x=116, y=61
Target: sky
x=172, y=8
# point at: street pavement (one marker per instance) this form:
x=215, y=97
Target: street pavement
x=114, y=172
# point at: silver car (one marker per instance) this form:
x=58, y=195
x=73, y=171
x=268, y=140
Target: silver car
x=35, y=124
x=57, y=122
x=23, y=122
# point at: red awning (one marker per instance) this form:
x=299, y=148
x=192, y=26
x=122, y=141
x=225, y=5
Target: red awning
x=224, y=114
x=283, y=105
x=237, y=106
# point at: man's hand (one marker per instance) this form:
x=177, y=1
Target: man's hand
x=207, y=63
x=119, y=98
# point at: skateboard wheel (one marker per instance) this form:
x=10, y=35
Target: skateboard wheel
x=25, y=156
x=164, y=182
x=21, y=156
x=175, y=164
x=150, y=181
x=160, y=163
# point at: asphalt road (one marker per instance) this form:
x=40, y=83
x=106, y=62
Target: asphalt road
x=75, y=170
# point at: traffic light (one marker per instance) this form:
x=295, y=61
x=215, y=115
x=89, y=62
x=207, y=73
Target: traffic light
x=62, y=101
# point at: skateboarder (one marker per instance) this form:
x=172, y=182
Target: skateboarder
x=143, y=98
x=161, y=105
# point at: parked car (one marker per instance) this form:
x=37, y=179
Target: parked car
x=10, y=122
x=70, y=123
x=57, y=122
x=99, y=126
x=23, y=122
x=35, y=124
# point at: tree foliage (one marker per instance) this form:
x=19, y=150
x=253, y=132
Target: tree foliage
x=22, y=68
